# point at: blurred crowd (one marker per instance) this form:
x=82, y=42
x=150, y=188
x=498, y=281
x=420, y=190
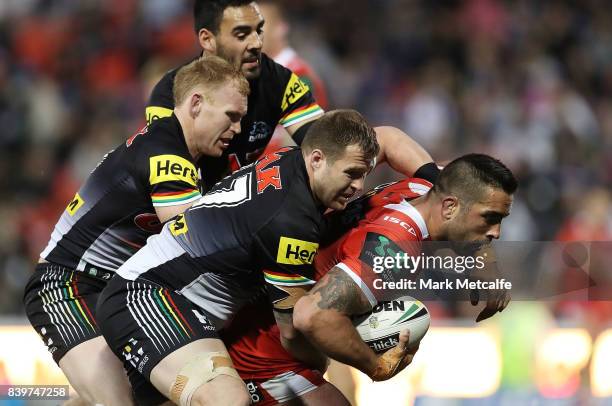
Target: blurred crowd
x=529, y=82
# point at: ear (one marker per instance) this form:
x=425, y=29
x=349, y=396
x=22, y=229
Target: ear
x=195, y=104
x=207, y=41
x=316, y=159
x=450, y=207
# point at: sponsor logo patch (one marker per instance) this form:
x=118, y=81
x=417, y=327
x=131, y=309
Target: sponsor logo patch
x=384, y=343
x=294, y=91
x=154, y=112
x=168, y=168
x=254, y=392
x=296, y=252
x=377, y=245
x=179, y=226
x=75, y=204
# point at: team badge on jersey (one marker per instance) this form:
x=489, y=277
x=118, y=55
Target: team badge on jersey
x=75, y=204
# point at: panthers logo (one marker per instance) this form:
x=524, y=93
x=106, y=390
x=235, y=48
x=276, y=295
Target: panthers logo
x=259, y=131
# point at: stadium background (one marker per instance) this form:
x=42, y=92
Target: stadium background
x=527, y=81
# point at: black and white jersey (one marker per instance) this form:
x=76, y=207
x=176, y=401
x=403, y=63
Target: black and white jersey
x=260, y=225
x=113, y=213
x=278, y=96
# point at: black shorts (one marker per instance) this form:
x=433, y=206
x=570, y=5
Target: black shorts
x=60, y=304
x=143, y=323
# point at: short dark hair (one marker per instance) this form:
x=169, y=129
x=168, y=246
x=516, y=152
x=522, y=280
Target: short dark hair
x=209, y=13
x=338, y=129
x=467, y=176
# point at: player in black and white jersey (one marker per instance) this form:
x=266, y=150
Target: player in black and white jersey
x=259, y=225
x=146, y=180
x=234, y=30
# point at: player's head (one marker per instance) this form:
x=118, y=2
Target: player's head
x=210, y=96
x=277, y=27
x=339, y=150
x=475, y=192
x=233, y=30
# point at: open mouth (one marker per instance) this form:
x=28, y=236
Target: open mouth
x=252, y=62
x=225, y=142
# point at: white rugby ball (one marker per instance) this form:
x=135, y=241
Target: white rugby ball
x=380, y=329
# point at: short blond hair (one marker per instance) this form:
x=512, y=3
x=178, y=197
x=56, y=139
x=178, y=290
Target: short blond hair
x=210, y=72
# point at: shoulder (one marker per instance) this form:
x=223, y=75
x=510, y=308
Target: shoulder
x=271, y=68
x=162, y=146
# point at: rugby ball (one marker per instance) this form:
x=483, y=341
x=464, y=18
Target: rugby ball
x=380, y=328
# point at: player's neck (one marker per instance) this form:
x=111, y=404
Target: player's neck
x=425, y=205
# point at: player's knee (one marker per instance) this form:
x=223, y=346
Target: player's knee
x=223, y=390
x=209, y=379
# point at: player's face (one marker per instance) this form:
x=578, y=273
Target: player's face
x=482, y=220
x=336, y=182
x=218, y=119
x=240, y=38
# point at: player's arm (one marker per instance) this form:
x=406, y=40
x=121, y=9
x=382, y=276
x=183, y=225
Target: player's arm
x=166, y=213
x=172, y=180
x=397, y=148
x=298, y=105
x=283, y=299
x=323, y=316
x=496, y=300
x=294, y=342
x=298, y=131
x=404, y=154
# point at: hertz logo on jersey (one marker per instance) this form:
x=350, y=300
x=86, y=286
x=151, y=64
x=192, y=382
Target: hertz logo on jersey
x=75, y=204
x=294, y=90
x=296, y=252
x=179, y=226
x=168, y=168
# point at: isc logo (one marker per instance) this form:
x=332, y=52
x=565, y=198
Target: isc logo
x=168, y=168
x=296, y=252
x=402, y=224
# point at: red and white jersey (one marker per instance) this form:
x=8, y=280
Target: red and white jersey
x=253, y=339
x=391, y=228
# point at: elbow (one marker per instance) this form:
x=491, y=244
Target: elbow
x=304, y=315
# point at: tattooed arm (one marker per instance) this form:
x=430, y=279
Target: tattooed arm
x=323, y=316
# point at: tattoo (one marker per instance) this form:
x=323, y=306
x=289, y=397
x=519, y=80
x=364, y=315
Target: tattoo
x=338, y=291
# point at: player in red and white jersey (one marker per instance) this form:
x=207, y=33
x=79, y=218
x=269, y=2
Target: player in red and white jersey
x=271, y=374
x=467, y=203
